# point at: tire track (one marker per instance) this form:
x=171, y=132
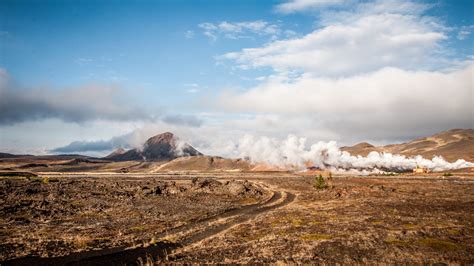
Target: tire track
x=206, y=228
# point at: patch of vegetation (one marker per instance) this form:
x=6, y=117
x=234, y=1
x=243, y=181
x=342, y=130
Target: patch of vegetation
x=77, y=203
x=398, y=242
x=438, y=244
x=320, y=183
x=454, y=231
x=409, y=226
x=315, y=222
x=45, y=180
x=376, y=222
x=139, y=228
x=296, y=222
x=315, y=237
x=275, y=223
x=447, y=174
x=17, y=174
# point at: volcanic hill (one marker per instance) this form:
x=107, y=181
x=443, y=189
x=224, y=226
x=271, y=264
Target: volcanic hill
x=162, y=147
x=452, y=145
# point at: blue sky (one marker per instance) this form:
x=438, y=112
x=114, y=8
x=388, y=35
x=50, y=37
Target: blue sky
x=92, y=71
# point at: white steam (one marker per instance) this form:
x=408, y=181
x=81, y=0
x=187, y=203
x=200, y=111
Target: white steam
x=294, y=153
x=180, y=147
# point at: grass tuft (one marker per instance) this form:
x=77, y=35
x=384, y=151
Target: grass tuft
x=438, y=244
x=315, y=237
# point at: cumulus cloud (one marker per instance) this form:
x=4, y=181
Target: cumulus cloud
x=78, y=104
x=239, y=30
x=364, y=43
x=386, y=102
x=375, y=70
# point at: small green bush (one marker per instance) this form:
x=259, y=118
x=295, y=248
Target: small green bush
x=319, y=182
x=447, y=174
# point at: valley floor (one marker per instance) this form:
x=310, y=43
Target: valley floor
x=209, y=218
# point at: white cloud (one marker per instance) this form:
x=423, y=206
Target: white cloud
x=238, y=30
x=386, y=103
x=366, y=43
x=77, y=104
x=305, y=5
x=464, y=32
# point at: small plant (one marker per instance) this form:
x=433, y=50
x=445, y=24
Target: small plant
x=45, y=180
x=447, y=174
x=319, y=182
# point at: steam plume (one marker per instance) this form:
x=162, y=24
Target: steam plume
x=293, y=152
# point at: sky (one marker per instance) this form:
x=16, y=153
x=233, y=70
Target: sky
x=91, y=76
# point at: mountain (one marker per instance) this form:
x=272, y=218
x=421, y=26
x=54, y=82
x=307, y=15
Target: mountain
x=162, y=147
x=452, y=145
x=166, y=146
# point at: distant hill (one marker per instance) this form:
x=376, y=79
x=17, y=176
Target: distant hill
x=452, y=145
x=115, y=153
x=8, y=155
x=205, y=163
x=162, y=147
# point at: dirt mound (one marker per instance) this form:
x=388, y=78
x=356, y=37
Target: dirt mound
x=452, y=145
x=203, y=185
x=205, y=163
x=233, y=187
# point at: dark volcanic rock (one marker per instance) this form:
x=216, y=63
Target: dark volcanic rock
x=241, y=188
x=205, y=184
x=166, y=147
x=130, y=155
x=161, y=147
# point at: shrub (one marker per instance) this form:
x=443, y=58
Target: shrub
x=447, y=174
x=319, y=182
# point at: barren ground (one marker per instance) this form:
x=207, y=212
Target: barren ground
x=275, y=217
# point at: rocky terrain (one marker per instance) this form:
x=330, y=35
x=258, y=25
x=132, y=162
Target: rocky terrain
x=168, y=203
x=50, y=217
x=271, y=218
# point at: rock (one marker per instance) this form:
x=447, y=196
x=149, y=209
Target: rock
x=205, y=184
x=168, y=188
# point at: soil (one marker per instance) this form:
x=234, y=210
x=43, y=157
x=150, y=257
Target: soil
x=128, y=218
x=50, y=217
